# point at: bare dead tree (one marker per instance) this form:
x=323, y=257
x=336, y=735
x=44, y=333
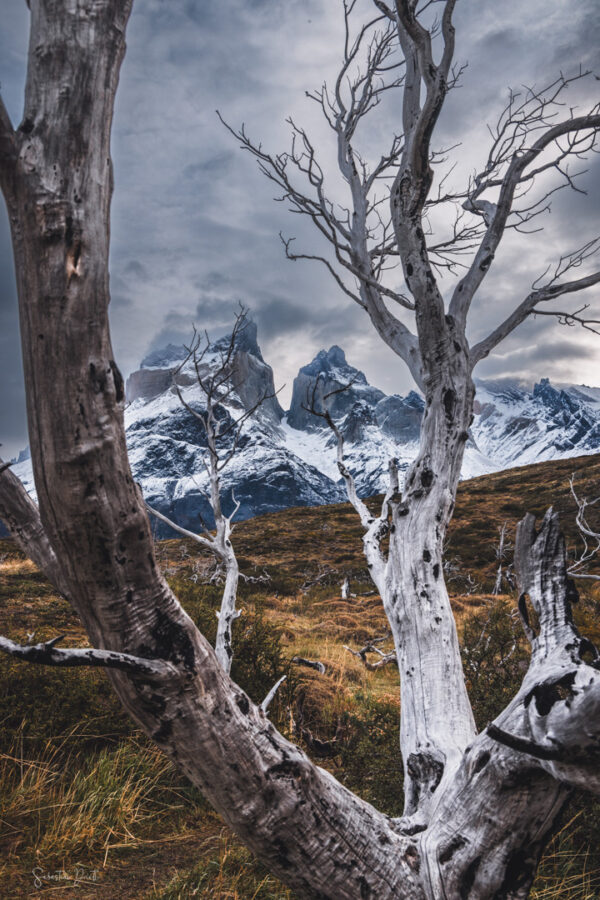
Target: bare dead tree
x=372, y=647
x=217, y=385
x=532, y=145
x=376, y=528
x=501, y=551
x=589, y=535
x=479, y=808
x=398, y=51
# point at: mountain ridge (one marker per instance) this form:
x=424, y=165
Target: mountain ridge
x=286, y=459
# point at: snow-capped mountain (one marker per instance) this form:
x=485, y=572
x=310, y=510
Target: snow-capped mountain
x=290, y=459
x=167, y=444
x=514, y=426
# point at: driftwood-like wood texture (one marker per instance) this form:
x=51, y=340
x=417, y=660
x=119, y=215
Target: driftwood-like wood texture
x=478, y=808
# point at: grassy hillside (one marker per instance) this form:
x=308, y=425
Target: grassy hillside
x=84, y=797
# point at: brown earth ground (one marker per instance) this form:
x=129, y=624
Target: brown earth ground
x=88, y=808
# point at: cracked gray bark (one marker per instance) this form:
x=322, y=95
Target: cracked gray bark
x=479, y=808
x=57, y=181
x=396, y=51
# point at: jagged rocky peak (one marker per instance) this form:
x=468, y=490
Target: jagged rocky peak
x=554, y=399
x=328, y=361
x=356, y=424
x=543, y=390
x=249, y=372
x=246, y=341
x=329, y=371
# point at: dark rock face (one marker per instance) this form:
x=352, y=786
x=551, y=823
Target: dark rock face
x=400, y=417
x=279, y=463
x=145, y=384
x=328, y=372
x=554, y=400
x=254, y=380
x=358, y=420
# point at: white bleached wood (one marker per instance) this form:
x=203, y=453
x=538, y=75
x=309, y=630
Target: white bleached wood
x=500, y=553
x=271, y=695
x=48, y=654
x=479, y=809
x=217, y=385
x=589, y=536
x=285, y=808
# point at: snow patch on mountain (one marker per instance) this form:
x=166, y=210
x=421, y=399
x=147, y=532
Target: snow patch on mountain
x=289, y=459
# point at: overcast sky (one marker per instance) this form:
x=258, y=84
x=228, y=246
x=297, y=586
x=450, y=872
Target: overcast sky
x=194, y=227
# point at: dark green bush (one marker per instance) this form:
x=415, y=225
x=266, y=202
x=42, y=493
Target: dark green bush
x=495, y=659
x=370, y=762
x=258, y=660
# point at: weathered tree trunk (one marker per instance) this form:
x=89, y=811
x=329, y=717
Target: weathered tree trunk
x=524, y=764
x=483, y=806
x=437, y=723
x=57, y=179
x=227, y=613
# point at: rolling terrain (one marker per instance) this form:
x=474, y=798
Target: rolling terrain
x=82, y=791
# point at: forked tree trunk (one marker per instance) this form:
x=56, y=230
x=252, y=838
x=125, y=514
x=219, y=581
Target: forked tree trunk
x=57, y=181
x=478, y=834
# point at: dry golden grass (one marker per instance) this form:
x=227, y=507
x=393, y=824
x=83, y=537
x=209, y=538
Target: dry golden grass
x=97, y=793
x=566, y=874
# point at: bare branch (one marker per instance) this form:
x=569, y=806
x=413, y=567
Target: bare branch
x=270, y=696
x=22, y=518
x=208, y=543
x=296, y=256
x=324, y=413
x=310, y=663
x=47, y=654
x=371, y=647
x=384, y=8
x=515, y=153
x=589, y=536
x=523, y=745
x=529, y=306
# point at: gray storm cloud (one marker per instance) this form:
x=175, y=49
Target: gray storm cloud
x=194, y=227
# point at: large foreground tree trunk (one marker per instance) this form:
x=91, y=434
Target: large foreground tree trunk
x=485, y=805
x=57, y=182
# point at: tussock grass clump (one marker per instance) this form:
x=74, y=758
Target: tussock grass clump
x=228, y=872
x=69, y=805
x=568, y=870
